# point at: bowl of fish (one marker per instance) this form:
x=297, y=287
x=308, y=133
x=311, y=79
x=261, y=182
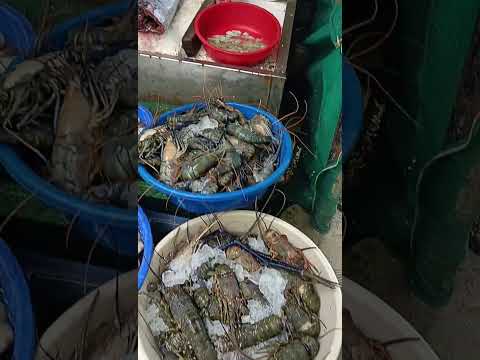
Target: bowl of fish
x=17, y=325
x=239, y=285
x=214, y=157
x=102, y=325
x=238, y=33
x=373, y=330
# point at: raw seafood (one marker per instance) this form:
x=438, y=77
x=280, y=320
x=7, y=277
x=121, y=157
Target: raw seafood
x=237, y=41
x=156, y=15
x=236, y=302
x=210, y=149
x=69, y=109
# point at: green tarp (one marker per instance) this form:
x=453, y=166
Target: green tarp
x=420, y=215
x=319, y=188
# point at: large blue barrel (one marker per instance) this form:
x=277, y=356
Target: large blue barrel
x=352, y=109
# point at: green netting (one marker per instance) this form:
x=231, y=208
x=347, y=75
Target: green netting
x=32, y=209
x=448, y=210
x=315, y=188
x=157, y=107
x=148, y=191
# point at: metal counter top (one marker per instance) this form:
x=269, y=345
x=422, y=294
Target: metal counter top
x=168, y=74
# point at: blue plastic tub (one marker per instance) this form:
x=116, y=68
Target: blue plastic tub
x=147, y=239
x=145, y=117
x=202, y=204
x=93, y=218
x=118, y=227
x=17, y=30
x=18, y=304
x=352, y=109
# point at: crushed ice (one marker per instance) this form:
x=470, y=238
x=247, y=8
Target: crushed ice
x=184, y=267
x=216, y=328
x=154, y=321
x=204, y=124
x=257, y=244
x=257, y=312
x=179, y=272
x=272, y=285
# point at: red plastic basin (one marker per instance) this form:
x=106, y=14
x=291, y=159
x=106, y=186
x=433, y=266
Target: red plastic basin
x=220, y=18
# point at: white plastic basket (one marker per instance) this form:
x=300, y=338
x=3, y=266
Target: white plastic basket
x=379, y=321
x=62, y=338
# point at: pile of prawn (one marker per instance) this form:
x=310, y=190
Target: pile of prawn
x=210, y=149
x=73, y=109
x=231, y=297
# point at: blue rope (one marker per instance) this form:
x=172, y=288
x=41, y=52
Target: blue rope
x=262, y=258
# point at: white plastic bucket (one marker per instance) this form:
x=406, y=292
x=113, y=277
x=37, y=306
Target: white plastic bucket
x=63, y=337
x=379, y=321
x=238, y=222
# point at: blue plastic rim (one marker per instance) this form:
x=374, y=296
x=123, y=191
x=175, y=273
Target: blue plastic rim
x=93, y=215
x=145, y=117
x=18, y=304
x=352, y=109
x=240, y=199
x=146, y=237
x=59, y=35
x=17, y=30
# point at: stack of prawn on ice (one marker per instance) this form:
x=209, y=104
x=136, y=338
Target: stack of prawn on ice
x=225, y=296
